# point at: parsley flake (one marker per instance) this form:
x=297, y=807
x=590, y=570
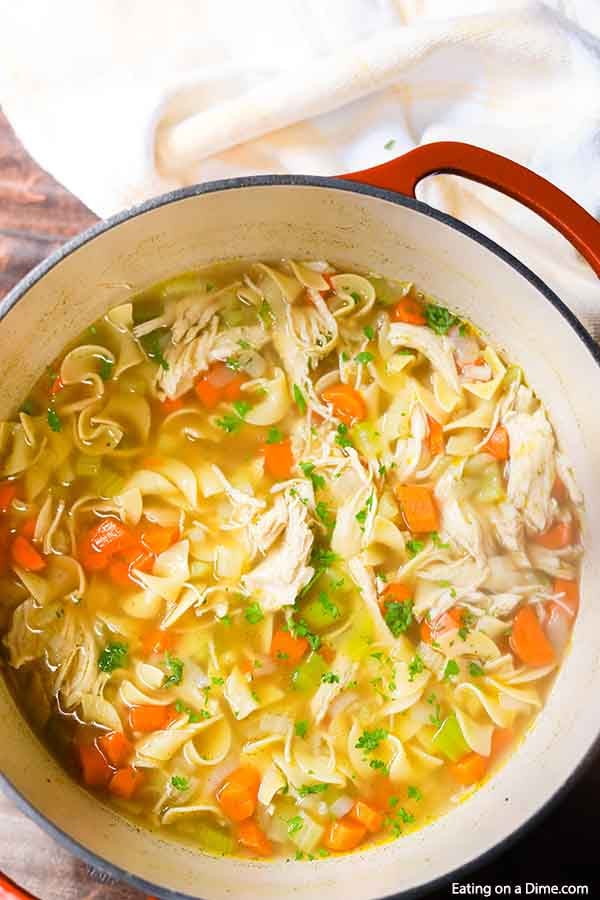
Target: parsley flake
x=114, y=656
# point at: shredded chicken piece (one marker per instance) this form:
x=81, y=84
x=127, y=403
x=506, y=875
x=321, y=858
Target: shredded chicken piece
x=266, y=529
x=438, y=350
x=459, y=521
x=364, y=578
x=343, y=668
x=278, y=579
x=532, y=467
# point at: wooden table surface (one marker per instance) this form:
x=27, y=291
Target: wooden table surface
x=36, y=216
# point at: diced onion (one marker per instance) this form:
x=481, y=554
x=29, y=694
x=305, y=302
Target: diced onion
x=341, y=807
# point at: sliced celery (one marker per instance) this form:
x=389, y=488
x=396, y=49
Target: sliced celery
x=491, y=485
x=215, y=840
x=87, y=466
x=366, y=439
x=359, y=638
x=449, y=739
x=109, y=483
x=322, y=612
x=307, y=676
x=182, y=284
x=388, y=292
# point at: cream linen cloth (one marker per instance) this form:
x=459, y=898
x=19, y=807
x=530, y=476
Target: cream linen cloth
x=123, y=99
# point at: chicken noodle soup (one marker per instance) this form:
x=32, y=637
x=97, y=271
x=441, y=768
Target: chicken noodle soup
x=289, y=558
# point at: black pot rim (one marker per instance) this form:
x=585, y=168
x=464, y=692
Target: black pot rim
x=36, y=274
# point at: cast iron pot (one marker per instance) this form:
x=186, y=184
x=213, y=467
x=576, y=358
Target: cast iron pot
x=369, y=220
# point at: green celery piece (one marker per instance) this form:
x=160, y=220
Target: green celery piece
x=214, y=839
x=366, y=439
x=318, y=617
x=307, y=677
x=449, y=739
x=491, y=486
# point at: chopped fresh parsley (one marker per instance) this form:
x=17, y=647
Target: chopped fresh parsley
x=467, y=620
x=175, y=669
x=27, y=407
x=225, y=620
x=299, y=399
x=463, y=329
x=301, y=629
x=232, y=422
x=295, y=824
x=181, y=707
x=364, y=357
x=414, y=793
x=217, y=681
x=106, y=368
x=370, y=740
x=475, y=670
x=323, y=557
x=328, y=605
x=398, y=616
x=152, y=348
x=436, y=717
x=415, y=667
x=369, y=332
x=300, y=728
x=413, y=547
x=180, y=783
x=233, y=363
x=379, y=765
x=274, y=436
x=266, y=314
x=389, y=145
x=330, y=678
x=451, y=669
x=253, y=613
x=306, y=789
x=244, y=345
x=323, y=513
x=439, y=319
x=308, y=469
x=54, y=421
x=437, y=541
x=356, y=297
x=114, y=656
x=341, y=437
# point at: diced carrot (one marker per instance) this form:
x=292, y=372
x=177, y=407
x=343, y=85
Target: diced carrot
x=218, y=384
x=446, y=622
x=425, y=632
x=435, y=438
x=138, y=556
x=502, y=738
x=470, y=769
x=251, y=836
x=344, y=835
x=169, y=405
x=371, y=818
x=418, y=507
x=4, y=534
x=28, y=527
x=558, y=536
x=157, y=641
x=397, y=592
x=159, y=538
x=559, y=490
x=327, y=652
x=115, y=747
x=94, y=766
x=125, y=782
x=238, y=794
x=25, y=555
x=409, y=310
x=57, y=386
x=279, y=459
x=110, y=535
x=497, y=443
x=150, y=718
x=348, y=405
x=208, y=395
x=570, y=590
x=528, y=641
x=285, y=646
x=245, y=666
x=120, y=574
x=8, y=492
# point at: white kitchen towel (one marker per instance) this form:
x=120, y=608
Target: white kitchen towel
x=123, y=99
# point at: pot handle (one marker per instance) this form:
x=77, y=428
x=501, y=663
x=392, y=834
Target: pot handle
x=454, y=158
x=10, y=891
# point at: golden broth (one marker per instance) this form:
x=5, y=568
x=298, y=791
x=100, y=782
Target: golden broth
x=290, y=558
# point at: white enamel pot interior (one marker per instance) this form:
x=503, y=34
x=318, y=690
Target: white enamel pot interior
x=364, y=228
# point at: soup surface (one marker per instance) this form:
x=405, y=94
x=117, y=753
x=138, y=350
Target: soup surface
x=289, y=558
